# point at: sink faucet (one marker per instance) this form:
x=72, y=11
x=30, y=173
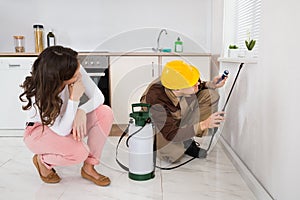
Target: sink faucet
x=158, y=38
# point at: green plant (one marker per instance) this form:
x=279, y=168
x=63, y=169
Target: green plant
x=233, y=46
x=250, y=44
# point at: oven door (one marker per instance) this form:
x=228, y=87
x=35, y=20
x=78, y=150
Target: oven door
x=96, y=77
x=100, y=77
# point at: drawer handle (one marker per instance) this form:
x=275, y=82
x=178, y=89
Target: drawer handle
x=152, y=69
x=96, y=74
x=14, y=65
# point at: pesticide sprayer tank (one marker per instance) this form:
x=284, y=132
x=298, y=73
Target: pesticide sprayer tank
x=140, y=142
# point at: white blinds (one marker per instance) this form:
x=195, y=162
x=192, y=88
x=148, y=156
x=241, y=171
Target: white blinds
x=247, y=21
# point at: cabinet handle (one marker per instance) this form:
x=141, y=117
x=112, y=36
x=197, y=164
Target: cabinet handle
x=14, y=65
x=96, y=74
x=152, y=69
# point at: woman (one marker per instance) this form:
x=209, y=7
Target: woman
x=57, y=124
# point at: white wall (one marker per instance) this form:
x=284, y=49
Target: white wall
x=262, y=116
x=114, y=25
x=217, y=26
x=216, y=35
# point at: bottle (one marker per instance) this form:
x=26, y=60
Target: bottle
x=178, y=45
x=39, y=37
x=51, y=39
x=19, y=43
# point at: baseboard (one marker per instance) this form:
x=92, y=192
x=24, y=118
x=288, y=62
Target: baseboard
x=254, y=185
x=11, y=132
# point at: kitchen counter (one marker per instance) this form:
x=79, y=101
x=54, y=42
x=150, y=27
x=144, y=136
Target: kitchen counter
x=10, y=54
x=31, y=54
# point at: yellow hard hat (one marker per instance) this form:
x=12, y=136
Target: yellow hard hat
x=178, y=75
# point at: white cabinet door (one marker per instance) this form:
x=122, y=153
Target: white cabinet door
x=129, y=77
x=13, y=72
x=201, y=62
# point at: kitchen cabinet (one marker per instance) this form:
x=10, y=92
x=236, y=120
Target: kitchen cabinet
x=131, y=74
x=129, y=77
x=202, y=63
x=13, y=72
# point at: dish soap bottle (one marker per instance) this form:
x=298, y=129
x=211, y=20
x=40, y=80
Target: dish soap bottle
x=178, y=45
x=51, y=39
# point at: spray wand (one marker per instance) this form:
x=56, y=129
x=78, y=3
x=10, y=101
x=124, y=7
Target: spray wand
x=228, y=97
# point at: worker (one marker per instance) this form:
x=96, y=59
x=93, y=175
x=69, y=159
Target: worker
x=182, y=107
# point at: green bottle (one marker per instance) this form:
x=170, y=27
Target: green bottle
x=178, y=45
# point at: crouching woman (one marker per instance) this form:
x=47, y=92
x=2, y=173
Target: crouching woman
x=57, y=125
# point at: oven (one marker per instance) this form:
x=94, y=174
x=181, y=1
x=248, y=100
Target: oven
x=96, y=65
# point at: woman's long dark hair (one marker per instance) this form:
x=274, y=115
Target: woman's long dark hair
x=53, y=66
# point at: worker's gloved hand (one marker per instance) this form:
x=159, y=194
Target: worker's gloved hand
x=212, y=121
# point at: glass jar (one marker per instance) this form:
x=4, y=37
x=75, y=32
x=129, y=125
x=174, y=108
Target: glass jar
x=19, y=43
x=39, y=37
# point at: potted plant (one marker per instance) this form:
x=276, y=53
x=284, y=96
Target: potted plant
x=250, y=43
x=233, y=51
x=233, y=46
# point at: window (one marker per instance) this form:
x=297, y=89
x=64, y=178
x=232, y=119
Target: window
x=247, y=22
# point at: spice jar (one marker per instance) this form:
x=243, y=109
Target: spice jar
x=38, y=37
x=19, y=43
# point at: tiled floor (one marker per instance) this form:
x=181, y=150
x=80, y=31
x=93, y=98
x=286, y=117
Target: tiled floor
x=212, y=178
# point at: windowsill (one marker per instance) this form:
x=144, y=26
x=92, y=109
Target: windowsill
x=238, y=60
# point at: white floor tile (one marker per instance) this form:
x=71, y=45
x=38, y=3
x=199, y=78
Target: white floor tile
x=205, y=179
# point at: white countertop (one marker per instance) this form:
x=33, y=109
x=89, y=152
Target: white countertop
x=32, y=54
x=238, y=60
